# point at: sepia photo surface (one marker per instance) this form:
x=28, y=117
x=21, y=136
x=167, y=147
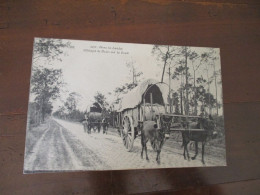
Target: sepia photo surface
x=112, y=106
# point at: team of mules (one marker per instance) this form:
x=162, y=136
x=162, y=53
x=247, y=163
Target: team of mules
x=96, y=126
x=156, y=135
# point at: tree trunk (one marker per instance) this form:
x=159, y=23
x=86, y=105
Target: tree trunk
x=195, y=93
x=170, y=98
x=133, y=75
x=208, y=90
x=165, y=62
x=181, y=100
x=186, y=78
x=215, y=75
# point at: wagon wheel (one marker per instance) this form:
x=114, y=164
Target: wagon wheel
x=127, y=133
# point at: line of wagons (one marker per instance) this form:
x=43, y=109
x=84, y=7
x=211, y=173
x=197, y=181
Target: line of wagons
x=95, y=119
x=148, y=103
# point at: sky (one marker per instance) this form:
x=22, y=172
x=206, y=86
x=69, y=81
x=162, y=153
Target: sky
x=93, y=66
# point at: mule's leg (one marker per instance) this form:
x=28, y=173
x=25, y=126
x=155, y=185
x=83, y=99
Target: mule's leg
x=183, y=145
x=202, y=152
x=145, y=147
x=185, y=141
x=142, y=143
x=158, y=159
x=196, y=151
x=186, y=149
x=158, y=156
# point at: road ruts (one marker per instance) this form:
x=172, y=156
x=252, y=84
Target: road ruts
x=64, y=146
x=110, y=150
x=57, y=149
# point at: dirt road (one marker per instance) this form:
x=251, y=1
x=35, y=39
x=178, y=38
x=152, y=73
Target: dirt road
x=62, y=146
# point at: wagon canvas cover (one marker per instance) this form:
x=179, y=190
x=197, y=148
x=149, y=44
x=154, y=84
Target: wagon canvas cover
x=68, y=76
x=134, y=97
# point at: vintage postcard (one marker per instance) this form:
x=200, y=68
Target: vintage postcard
x=111, y=106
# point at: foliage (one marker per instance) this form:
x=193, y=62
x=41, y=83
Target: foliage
x=101, y=99
x=33, y=108
x=176, y=102
x=50, y=49
x=72, y=101
x=135, y=74
x=128, y=86
x=166, y=54
x=74, y=115
x=185, y=63
x=60, y=113
x=46, y=84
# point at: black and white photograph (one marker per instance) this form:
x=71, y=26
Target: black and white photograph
x=116, y=106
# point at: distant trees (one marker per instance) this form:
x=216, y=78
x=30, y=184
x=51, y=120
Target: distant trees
x=193, y=57
x=134, y=73
x=61, y=113
x=135, y=77
x=46, y=82
x=179, y=75
x=49, y=49
x=72, y=101
x=101, y=99
x=166, y=54
x=70, y=109
x=71, y=105
x=185, y=64
x=209, y=59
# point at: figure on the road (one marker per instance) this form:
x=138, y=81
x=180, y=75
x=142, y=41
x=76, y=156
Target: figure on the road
x=105, y=125
x=85, y=123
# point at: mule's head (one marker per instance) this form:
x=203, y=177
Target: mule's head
x=209, y=125
x=163, y=126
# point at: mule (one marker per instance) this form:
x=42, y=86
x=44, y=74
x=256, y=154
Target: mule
x=198, y=136
x=150, y=131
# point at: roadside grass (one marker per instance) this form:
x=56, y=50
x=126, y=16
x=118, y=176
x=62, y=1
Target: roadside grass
x=33, y=134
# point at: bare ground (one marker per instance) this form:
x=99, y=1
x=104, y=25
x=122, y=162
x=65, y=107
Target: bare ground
x=59, y=145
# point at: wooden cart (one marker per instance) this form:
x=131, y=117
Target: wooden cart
x=148, y=101
x=94, y=119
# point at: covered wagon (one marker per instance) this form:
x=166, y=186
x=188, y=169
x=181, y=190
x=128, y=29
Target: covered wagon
x=145, y=102
x=94, y=118
x=149, y=102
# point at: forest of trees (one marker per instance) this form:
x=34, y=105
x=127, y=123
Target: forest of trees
x=194, y=73
x=193, y=77
x=70, y=111
x=46, y=83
